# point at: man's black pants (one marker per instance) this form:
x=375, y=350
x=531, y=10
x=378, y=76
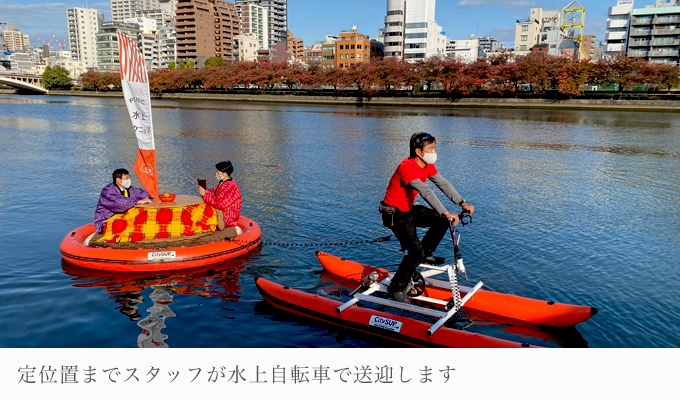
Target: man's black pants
x=404, y=227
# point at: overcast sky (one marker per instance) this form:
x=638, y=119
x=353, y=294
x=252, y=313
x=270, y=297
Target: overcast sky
x=311, y=20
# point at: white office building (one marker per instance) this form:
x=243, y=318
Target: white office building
x=169, y=7
x=162, y=17
x=146, y=25
x=465, y=50
x=75, y=67
x=125, y=9
x=411, y=32
x=489, y=45
x=83, y=25
x=618, y=26
x=542, y=27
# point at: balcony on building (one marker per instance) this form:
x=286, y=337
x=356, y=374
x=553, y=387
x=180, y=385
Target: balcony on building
x=639, y=43
x=663, y=53
x=666, y=31
x=666, y=19
x=641, y=21
x=638, y=53
x=666, y=42
x=638, y=32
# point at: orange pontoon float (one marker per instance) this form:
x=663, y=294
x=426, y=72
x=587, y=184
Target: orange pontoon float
x=74, y=249
x=484, y=303
x=374, y=322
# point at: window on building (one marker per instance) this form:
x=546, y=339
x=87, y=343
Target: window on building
x=358, y=46
x=525, y=28
x=352, y=47
x=523, y=48
x=358, y=55
x=342, y=47
x=416, y=25
x=416, y=35
x=524, y=38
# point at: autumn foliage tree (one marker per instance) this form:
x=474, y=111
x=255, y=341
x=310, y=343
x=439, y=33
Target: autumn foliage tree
x=499, y=74
x=102, y=81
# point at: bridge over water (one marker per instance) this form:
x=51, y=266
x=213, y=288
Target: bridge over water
x=23, y=81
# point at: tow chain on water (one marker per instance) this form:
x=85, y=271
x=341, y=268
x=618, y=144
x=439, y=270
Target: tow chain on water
x=326, y=244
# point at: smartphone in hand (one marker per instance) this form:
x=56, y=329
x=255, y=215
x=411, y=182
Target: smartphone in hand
x=202, y=183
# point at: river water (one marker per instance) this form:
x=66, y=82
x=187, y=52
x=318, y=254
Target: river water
x=574, y=207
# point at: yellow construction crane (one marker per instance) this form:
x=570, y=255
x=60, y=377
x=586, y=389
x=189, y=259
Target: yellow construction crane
x=574, y=16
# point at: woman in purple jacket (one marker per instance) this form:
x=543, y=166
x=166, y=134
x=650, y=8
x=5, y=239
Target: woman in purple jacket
x=118, y=197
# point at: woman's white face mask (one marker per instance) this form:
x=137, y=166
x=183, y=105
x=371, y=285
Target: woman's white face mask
x=126, y=183
x=429, y=158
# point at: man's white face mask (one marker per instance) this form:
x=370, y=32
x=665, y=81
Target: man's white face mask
x=218, y=176
x=126, y=183
x=429, y=158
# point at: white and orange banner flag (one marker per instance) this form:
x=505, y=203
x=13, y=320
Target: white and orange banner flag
x=135, y=82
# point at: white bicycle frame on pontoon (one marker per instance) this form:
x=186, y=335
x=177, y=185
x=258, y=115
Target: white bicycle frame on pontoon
x=371, y=285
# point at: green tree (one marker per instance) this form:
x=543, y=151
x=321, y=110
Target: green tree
x=172, y=65
x=190, y=64
x=214, y=62
x=182, y=65
x=56, y=76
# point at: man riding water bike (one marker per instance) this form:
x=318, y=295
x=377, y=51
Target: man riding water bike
x=402, y=217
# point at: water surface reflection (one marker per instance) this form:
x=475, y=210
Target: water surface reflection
x=219, y=281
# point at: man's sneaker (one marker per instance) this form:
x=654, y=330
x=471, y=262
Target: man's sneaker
x=398, y=295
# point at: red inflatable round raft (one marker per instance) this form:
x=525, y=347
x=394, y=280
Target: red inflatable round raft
x=75, y=250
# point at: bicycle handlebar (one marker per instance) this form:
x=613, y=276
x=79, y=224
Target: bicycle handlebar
x=464, y=218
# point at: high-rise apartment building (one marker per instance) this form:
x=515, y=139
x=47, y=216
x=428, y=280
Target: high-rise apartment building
x=277, y=13
x=206, y=28
x=108, y=53
x=15, y=40
x=83, y=25
x=411, y=32
x=124, y=9
x=618, y=25
x=165, y=48
x=255, y=20
x=542, y=27
x=655, y=32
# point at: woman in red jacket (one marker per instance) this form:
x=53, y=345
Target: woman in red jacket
x=225, y=196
